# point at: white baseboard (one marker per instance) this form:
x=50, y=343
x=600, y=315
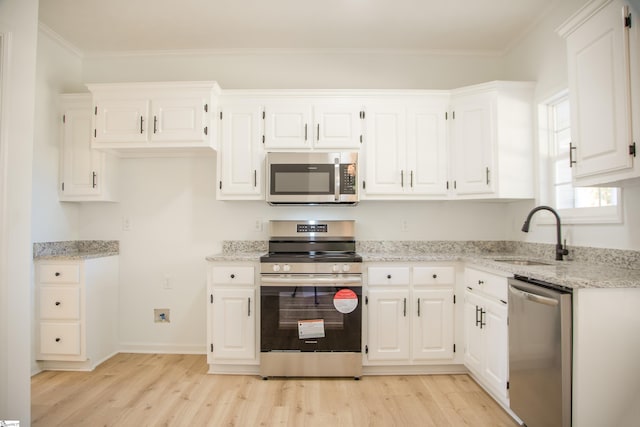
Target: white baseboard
x=162, y=348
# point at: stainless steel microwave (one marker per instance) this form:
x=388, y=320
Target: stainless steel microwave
x=300, y=178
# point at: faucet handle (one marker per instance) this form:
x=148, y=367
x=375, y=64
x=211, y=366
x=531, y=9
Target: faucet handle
x=565, y=251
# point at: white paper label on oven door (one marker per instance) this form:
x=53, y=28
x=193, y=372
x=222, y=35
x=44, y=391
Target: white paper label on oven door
x=311, y=328
x=345, y=301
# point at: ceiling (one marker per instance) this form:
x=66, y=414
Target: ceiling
x=95, y=26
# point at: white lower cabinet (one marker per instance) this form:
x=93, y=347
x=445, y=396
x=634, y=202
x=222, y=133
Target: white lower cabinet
x=232, y=317
x=76, y=312
x=410, y=315
x=485, y=331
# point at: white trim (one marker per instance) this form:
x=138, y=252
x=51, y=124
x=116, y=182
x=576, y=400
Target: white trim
x=132, y=347
x=600, y=215
x=293, y=52
x=64, y=43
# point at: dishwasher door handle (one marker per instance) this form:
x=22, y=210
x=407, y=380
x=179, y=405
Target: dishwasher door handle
x=533, y=297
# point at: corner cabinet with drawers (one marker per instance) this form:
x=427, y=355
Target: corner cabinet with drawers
x=486, y=352
x=76, y=312
x=232, y=318
x=410, y=312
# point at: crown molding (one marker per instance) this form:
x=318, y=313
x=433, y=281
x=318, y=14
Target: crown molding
x=64, y=43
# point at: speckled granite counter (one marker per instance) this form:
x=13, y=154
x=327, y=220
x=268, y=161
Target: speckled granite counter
x=586, y=267
x=76, y=249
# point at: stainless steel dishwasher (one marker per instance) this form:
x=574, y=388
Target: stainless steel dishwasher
x=540, y=344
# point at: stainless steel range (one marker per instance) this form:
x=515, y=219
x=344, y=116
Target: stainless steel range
x=311, y=300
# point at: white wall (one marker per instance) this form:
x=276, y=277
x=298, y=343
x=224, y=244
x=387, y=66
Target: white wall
x=58, y=70
x=541, y=57
x=18, y=21
x=176, y=222
x=301, y=69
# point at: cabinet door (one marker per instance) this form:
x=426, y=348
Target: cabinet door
x=386, y=172
x=240, y=161
x=472, y=136
x=337, y=126
x=234, y=324
x=178, y=119
x=388, y=324
x=474, y=351
x=598, y=66
x=81, y=167
x=427, y=154
x=495, y=370
x=433, y=327
x=288, y=125
x=121, y=120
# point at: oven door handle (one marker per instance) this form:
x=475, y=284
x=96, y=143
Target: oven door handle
x=310, y=281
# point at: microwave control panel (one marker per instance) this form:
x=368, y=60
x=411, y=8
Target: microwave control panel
x=348, y=178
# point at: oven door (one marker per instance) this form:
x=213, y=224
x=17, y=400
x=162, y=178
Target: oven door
x=311, y=314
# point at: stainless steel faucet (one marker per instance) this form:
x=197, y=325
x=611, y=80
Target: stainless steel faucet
x=560, y=250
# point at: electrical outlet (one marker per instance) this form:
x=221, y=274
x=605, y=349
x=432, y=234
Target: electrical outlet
x=257, y=225
x=161, y=315
x=404, y=225
x=126, y=223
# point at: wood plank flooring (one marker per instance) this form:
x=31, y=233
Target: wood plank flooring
x=175, y=390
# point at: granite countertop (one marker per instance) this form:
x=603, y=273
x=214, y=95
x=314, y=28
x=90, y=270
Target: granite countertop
x=615, y=269
x=75, y=250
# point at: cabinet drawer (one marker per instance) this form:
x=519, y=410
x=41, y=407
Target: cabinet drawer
x=388, y=276
x=60, y=338
x=493, y=285
x=434, y=275
x=59, y=302
x=233, y=275
x=59, y=273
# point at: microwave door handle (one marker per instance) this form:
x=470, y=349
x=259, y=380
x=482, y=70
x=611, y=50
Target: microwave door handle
x=336, y=187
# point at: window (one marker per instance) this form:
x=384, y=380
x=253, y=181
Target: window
x=577, y=204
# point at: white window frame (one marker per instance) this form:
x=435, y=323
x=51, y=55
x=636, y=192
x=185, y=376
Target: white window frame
x=592, y=215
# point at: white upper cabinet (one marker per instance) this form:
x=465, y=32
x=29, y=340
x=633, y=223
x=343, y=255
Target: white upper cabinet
x=302, y=124
x=385, y=155
x=492, y=141
x=241, y=157
x=602, y=49
x=133, y=117
x=406, y=148
x=85, y=174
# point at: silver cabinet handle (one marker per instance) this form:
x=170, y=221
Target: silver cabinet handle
x=318, y=133
x=141, y=124
x=404, y=310
x=249, y=307
x=155, y=124
x=418, y=307
x=411, y=174
x=402, y=178
x=305, y=131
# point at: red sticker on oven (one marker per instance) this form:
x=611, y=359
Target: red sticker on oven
x=345, y=301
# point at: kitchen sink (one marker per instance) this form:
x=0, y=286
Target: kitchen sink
x=522, y=262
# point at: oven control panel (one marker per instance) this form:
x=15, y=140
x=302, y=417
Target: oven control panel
x=310, y=268
x=311, y=228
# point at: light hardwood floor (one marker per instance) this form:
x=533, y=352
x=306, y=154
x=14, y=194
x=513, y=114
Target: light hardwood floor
x=175, y=390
